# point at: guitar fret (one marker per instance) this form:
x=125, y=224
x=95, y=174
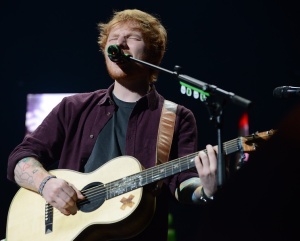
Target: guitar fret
x=232, y=146
x=125, y=184
x=159, y=174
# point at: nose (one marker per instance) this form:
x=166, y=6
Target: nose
x=122, y=41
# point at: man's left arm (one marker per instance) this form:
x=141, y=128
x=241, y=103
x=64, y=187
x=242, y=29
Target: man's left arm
x=200, y=189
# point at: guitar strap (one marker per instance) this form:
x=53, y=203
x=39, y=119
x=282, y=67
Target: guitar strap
x=165, y=133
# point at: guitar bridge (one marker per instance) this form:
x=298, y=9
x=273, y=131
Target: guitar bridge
x=48, y=218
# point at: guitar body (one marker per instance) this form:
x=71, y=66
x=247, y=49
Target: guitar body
x=120, y=217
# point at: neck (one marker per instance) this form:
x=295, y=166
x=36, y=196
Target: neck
x=130, y=94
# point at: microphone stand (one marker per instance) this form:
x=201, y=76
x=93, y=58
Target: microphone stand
x=215, y=108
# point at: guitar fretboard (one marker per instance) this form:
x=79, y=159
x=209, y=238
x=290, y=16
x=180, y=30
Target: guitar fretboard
x=159, y=172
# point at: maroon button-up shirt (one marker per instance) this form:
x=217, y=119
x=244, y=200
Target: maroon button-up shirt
x=69, y=132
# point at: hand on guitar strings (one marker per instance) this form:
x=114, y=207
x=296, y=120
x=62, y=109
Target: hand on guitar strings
x=206, y=165
x=62, y=195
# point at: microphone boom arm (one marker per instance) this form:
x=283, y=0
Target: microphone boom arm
x=211, y=89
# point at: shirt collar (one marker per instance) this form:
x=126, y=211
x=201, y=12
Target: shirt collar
x=108, y=96
x=150, y=99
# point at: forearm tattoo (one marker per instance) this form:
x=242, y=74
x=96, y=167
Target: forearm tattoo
x=25, y=169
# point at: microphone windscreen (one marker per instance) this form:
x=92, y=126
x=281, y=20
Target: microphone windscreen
x=279, y=92
x=114, y=53
x=113, y=50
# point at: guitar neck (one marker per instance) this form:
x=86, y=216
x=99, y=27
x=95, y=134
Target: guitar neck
x=162, y=171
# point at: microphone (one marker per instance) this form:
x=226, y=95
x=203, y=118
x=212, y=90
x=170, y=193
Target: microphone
x=286, y=91
x=116, y=54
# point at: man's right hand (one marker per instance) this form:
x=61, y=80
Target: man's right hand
x=62, y=195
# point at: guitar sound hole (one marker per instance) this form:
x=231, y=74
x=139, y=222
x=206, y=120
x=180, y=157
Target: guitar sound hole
x=95, y=195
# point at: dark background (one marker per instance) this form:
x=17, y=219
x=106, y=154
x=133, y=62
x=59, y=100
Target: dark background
x=245, y=47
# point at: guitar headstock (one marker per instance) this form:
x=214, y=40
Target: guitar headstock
x=251, y=142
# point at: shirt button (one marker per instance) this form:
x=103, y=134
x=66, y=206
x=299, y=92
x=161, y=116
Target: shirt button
x=108, y=113
x=91, y=136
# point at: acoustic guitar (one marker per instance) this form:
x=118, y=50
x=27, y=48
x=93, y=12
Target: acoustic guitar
x=117, y=205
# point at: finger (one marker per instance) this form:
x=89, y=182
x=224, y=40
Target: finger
x=204, y=167
x=78, y=193
x=66, y=212
x=66, y=200
x=216, y=149
x=198, y=163
x=203, y=157
x=210, y=150
x=209, y=154
x=69, y=189
x=212, y=157
x=59, y=208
